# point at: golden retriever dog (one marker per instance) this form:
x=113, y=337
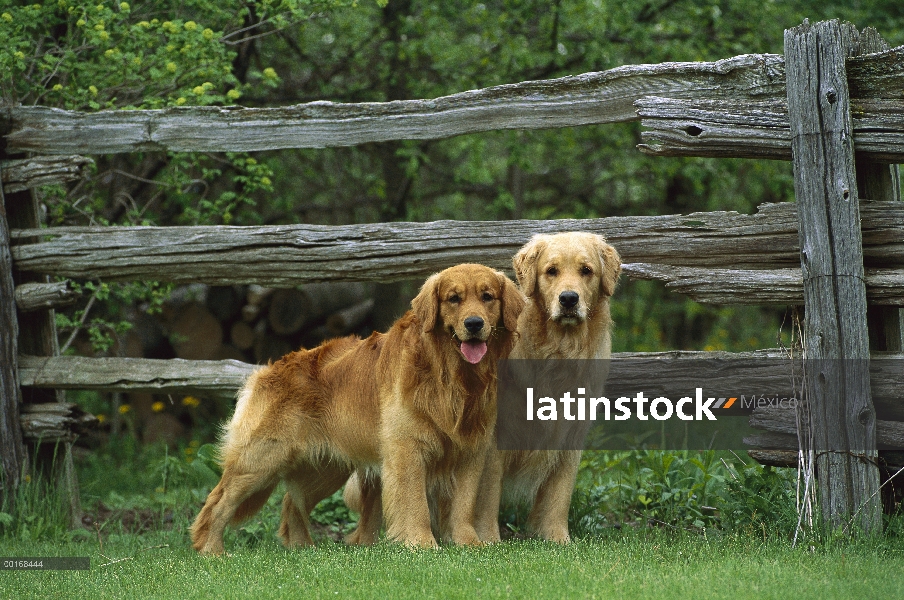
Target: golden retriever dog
x=417, y=405
x=568, y=279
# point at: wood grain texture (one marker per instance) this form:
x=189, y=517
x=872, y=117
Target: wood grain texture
x=752, y=250
x=175, y=376
x=788, y=458
x=759, y=287
x=591, y=98
x=55, y=422
x=603, y=97
x=765, y=369
x=26, y=173
x=37, y=329
x=880, y=182
x=44, y=296
x=726, y=128
x=835, y=325
x=889, y=434
x=12, y=453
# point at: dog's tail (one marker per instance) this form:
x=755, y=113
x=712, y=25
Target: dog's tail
x=352, y=492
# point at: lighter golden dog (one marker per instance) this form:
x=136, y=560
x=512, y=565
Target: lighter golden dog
x=417, y=405
x=568, y=279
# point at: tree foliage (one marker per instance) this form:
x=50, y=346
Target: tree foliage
x=89, y=56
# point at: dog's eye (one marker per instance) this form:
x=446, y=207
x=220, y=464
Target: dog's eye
x=454, y=299
x=487, y=297
x=587, y=271
x=552, y=271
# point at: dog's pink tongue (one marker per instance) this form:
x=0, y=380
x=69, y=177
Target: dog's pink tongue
x=473, y=350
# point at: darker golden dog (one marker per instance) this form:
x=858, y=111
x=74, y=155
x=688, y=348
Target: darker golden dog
x=417, y=405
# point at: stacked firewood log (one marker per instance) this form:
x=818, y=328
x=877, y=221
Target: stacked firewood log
x=250, y=323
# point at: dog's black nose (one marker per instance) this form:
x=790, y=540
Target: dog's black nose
x=473, y=324
x=568, y=299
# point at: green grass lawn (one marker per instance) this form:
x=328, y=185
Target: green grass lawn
x=629, y=564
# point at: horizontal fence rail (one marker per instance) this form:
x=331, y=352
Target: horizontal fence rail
x=22, y=174
x=720, y=257
x=591, y=98
x=217, y=378
x=759, y=287
x=755, y=129
x=221, y=378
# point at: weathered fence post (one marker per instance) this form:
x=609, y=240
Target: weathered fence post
x=878, y=181
x=835, y=327
x=12, y=452
x=38, y=337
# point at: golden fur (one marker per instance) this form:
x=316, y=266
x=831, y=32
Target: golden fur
x=548, y=265
x=412, y=404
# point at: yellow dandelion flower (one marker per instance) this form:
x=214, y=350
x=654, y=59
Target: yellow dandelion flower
x=124, y=408
x=190, y=401
x=189, y=451
x=101, y=419
x=158, y=406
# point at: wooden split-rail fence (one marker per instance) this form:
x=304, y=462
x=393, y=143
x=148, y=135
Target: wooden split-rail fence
x=833, y=105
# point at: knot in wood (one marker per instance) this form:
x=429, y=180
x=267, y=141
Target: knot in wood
x=832, y=96
x=864, y=416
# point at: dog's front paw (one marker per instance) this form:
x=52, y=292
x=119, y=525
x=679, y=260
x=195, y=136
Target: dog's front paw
x=466, y=536
x=420, y=538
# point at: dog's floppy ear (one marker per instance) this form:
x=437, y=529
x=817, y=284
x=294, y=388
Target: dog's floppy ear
x=512, y=302
x=525, y=263
x=611, y=263
x=426, y=303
